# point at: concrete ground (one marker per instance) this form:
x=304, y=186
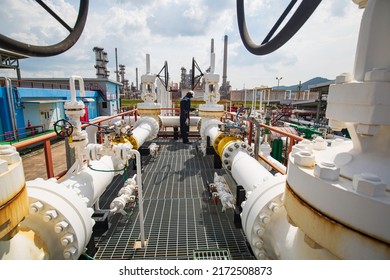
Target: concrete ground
x=34, y=161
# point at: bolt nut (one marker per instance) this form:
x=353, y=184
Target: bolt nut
x=261, y=255
x=304, y=159
x=259, y=230
x=50, y=215
x=307, y=144
x=67, y=239
x=273, y=206
x=61, y=226
x=369, y=184
x=336, y=142
x=319, y=144
x=36, y=207
x=264, y=218
x=257, y=243
x=377, y=75
x=367, y=129
x=297, y=148
x=344, y=78
x=327, y=171
x=68, y=253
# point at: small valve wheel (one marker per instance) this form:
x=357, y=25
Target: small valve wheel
x=63, y=128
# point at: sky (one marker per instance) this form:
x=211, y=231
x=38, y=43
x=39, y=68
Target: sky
x=176, y=31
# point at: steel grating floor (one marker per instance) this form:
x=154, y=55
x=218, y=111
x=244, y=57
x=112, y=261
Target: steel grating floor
x=180, y=218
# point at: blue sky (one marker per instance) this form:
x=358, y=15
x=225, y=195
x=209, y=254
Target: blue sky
x=176, y=31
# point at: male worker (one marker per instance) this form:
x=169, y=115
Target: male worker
x=185, y=108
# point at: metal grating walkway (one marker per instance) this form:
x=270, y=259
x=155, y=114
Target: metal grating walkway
x=180, y=218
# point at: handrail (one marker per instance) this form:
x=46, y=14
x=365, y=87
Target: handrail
x=292, y=139
x=45, y=139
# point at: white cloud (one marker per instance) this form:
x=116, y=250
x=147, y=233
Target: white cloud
x=176, y=31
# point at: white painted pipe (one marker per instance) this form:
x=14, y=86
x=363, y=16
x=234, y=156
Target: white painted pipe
x=92, y=181
x=147, y=63
x=11, y=105
x=92, y=129
x=72, y=86
x=145, y=129
x=174, y=121
x=212, y=62
x=277, y=163
x=142, y=132
x=247, y=171
x=212, y=132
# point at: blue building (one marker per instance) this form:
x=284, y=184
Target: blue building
x=31, y=106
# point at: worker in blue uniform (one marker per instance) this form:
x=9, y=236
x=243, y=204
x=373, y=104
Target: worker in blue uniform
x=185, y=108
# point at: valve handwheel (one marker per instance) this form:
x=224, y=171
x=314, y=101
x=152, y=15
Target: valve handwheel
x=303, y=12
x=63, y=128
x=51, y=50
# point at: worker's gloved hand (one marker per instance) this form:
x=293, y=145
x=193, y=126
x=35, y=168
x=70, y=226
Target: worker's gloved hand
x=193, y=109
x=187, y=122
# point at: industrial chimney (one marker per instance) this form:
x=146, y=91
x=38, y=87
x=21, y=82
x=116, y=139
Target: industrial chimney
x=224, y=75
x=101, y=63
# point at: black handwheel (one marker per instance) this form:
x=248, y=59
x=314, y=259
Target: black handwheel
x=303, y=12
x=63, y=128
x=164, y=81
x=51, y=50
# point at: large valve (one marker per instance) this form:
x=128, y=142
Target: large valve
x=51, y=50
x=303, y=12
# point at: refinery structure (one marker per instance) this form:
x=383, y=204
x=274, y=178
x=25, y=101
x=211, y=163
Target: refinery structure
x=258, y=181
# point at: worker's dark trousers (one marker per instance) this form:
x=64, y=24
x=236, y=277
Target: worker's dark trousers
x=184, y=129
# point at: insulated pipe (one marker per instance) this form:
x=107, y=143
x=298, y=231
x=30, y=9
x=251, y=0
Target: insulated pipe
x=212, y=66
x=147, y=63
x=145, y=129
x=11, y=105
x=247, y=171
x=72, y=86
x=212, y=131
x=175, y=121
x=92, y=181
